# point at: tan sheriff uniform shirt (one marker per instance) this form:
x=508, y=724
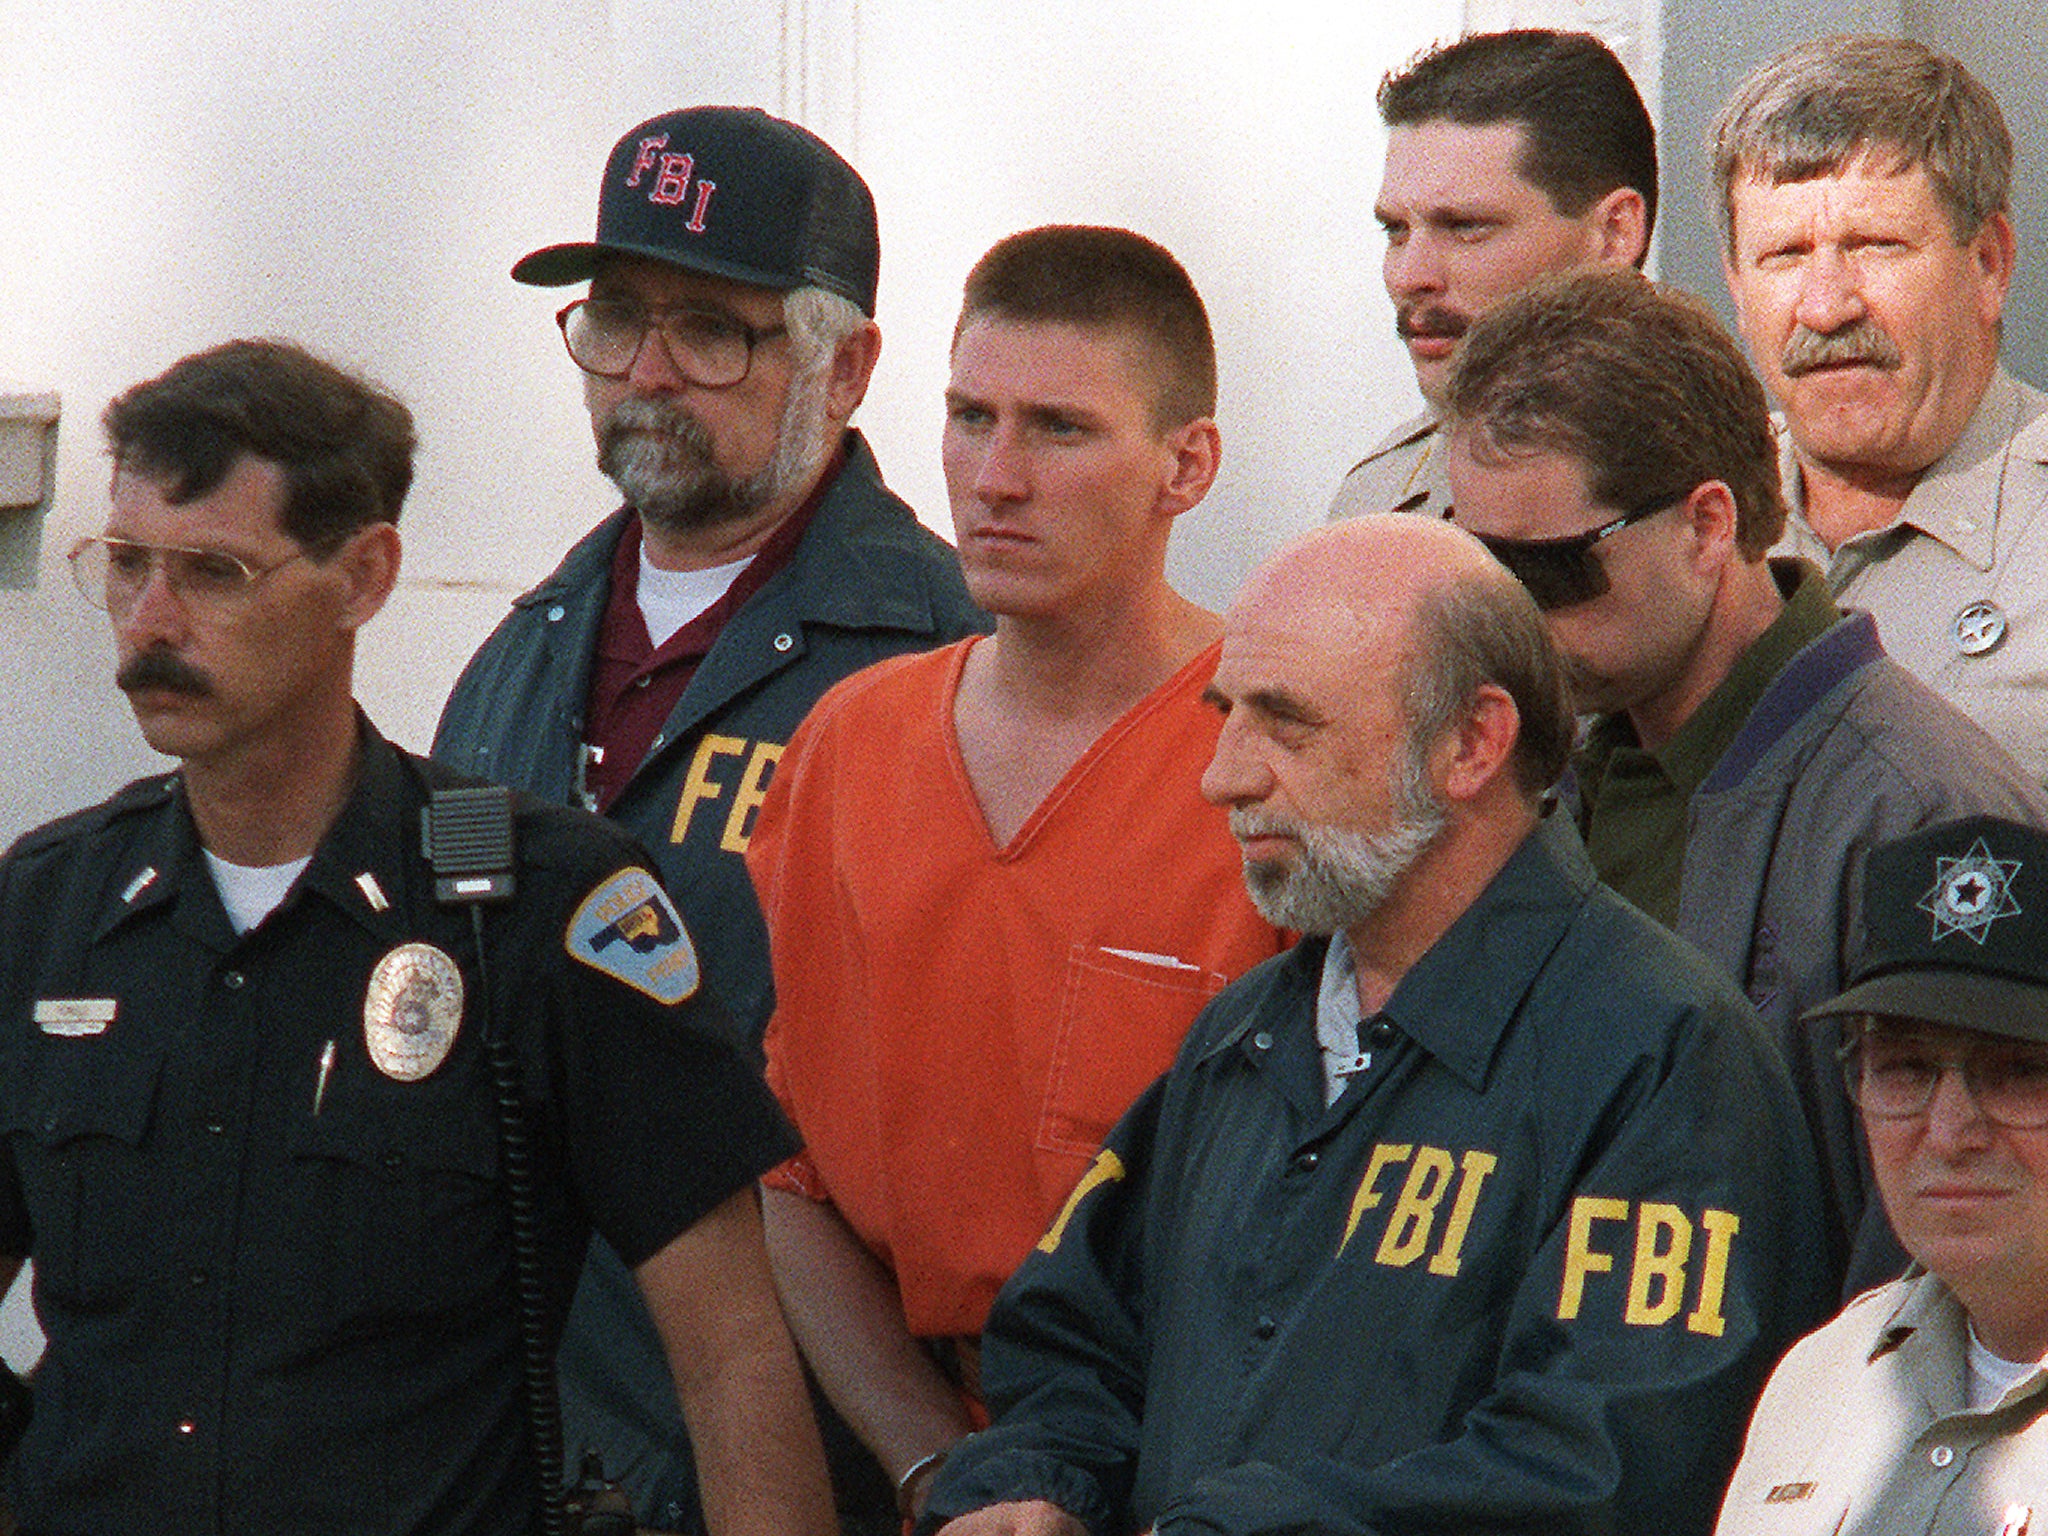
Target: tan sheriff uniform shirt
x=1958, y=583
x=1404, y=473
x=1864, y=1430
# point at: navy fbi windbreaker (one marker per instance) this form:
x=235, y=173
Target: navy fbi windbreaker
x=1528, y=1272
x=866, y=582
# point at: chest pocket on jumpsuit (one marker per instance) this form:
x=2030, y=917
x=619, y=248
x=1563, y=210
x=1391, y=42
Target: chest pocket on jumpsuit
x=1122, y=1015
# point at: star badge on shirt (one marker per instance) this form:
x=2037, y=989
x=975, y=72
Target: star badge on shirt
x=1979, y=629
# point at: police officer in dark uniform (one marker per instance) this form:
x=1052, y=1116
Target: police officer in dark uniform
x=251, y=1137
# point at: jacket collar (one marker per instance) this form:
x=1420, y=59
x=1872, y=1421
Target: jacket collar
x=1457, y=1001
x=841, y=574
x=1815, y=670
x=834, y=577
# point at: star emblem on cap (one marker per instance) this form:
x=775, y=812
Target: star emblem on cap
x=1971, y=893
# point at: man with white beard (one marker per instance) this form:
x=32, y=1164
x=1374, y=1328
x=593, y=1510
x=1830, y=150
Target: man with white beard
x=725, y=342
x=1488, y=1205
x=1342, y=876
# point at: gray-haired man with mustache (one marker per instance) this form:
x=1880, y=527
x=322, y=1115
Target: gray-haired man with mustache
x=725, y=341
x=1863, y=195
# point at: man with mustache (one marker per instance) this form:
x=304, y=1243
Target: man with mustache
x=995, y=896
x=726, y=338
x=250, y=1119
x=1485, y=1207
x=1510, y=155
x=1863, y=199
x=1749, y=741
x=1923, y=1409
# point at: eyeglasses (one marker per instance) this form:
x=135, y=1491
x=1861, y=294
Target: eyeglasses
x=112, y=573
x=1562, y=572
x=706, y=346
x=1893, y=1077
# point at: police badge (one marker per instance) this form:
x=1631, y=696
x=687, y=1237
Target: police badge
x=411, y=1012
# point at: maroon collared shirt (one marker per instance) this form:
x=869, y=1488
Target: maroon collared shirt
x=635, y=684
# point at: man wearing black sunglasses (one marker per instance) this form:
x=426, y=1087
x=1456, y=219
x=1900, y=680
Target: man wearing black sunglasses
x=1750, y=742
x=1926, y=1402
x=725, y=341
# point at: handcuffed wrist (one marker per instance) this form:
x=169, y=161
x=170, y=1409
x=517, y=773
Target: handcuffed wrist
x=915, y=1476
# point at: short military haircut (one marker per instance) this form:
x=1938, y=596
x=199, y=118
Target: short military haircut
x=1482, y=627
x=343, y=445
x=1587, y=129
x=1886, y=102
x=1639, y=383
x=1107, y=280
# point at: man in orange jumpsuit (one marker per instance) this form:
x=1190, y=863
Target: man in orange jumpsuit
x=995, y=898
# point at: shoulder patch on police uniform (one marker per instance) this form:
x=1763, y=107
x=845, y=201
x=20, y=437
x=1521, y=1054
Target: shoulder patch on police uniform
x=630, y=930
x=411, y=1011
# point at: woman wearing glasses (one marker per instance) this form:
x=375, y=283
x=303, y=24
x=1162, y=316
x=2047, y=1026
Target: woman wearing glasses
x=1923, y=1409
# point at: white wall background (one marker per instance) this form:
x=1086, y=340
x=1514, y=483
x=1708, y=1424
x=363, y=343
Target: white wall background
x=351, y=174
x=359, y=174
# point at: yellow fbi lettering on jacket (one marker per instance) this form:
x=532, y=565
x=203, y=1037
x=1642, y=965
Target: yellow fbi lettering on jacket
x=1106, y=1169
x=722, y=767
x=630, y=930
x=1431, y=1194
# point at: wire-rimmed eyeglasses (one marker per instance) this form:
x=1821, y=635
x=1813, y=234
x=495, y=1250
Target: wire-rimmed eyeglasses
x=1892, y=1074
x=706, y=346
x=112, y=573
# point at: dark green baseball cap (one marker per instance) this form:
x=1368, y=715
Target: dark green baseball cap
x=1956, y=930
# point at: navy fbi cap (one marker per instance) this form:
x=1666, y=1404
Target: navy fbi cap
x=731, y=192
x=1956, y=925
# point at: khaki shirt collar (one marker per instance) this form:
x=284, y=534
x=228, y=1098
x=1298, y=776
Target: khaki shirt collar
x=1929, y=1330
x=1956, y=500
